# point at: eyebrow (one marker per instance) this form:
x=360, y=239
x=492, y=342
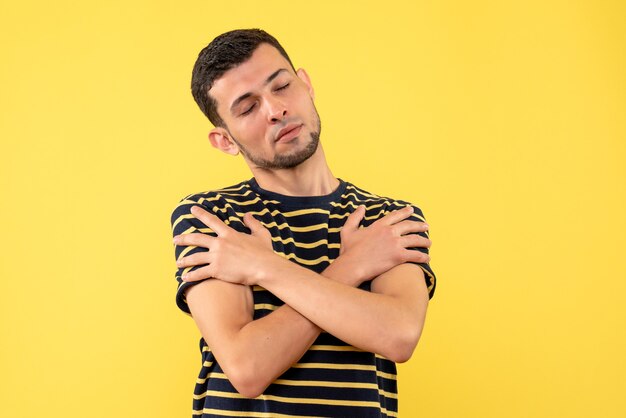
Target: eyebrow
x=265, y=83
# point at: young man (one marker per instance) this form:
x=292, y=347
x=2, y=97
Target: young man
x=306, y=289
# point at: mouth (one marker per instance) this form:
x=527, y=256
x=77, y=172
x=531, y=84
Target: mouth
x=288, y=133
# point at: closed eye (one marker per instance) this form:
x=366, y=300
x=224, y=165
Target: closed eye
x=283, y=87
x=248, y=110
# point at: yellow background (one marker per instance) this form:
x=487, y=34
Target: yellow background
x=503, y=121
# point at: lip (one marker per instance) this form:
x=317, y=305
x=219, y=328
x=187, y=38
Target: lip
x=288, y=133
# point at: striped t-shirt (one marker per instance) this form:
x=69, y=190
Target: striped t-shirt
x=332, y=379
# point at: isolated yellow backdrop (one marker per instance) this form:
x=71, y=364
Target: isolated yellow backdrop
x=503, y=121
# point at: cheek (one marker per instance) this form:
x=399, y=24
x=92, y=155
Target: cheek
x=244, y=125
x=250, y=131
x=307, y=108
x=304, y=100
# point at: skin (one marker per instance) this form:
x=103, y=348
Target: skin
x=253, y=353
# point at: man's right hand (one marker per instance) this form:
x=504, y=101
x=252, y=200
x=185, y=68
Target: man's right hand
x=384, y=244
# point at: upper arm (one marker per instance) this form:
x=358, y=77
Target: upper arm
x=220, y=310
x=405, y=279
x=428, y=275
x=405, y=283
x=183, y=222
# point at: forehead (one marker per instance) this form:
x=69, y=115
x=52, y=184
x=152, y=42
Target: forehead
x=249, y=75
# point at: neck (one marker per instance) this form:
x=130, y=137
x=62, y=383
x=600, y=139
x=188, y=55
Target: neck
x=311, y=178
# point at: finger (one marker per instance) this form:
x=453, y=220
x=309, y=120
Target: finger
x=199, y=274
x=210, y=220
x=416, y=256
x=414, y=240
x=407, y=227
x=196, y=259
x=197, y=239
x=396, y=216
x=253, y=224
x=256, y=228
x=354, y=219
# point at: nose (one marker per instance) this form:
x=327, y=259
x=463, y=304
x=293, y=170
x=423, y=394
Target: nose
x=276, y=110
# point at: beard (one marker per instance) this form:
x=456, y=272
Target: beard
x=285, y=161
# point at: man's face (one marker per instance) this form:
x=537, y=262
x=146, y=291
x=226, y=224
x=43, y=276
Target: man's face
x=268, y=110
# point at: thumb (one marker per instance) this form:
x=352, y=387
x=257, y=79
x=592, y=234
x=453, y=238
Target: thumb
x=251, y=222
x=355, y=218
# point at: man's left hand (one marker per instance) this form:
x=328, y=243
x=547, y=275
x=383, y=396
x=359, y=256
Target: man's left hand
x=232, y=256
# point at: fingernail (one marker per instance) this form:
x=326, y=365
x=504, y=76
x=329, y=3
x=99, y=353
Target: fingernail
x=184, y=277
x=427, y=226
x=175, y=239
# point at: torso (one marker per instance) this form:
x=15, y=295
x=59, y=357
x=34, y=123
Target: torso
x=332, y=379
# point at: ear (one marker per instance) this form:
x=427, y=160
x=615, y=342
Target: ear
x=302, y=75
x=220, y=139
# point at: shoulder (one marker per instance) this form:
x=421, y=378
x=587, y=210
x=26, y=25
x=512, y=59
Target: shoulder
x=378, y=203
x=228, y=203
x=212, y=199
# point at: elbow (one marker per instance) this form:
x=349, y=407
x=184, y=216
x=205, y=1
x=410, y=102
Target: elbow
x=401, y=354
x=248, y=383
x=248, y=390
x=403, y=346
x=404, y=338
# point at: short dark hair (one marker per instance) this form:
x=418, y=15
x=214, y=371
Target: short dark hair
x=226, y=51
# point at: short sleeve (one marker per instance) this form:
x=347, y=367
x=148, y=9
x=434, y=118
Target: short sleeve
x=183, y=222
x=429, y=275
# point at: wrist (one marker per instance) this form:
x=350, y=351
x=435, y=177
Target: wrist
x=345, y=270
x=274, y=266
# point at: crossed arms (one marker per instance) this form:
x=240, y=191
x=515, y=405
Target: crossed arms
x=253, y=353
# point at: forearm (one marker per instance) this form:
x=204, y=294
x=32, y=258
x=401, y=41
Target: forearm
x=387, y=324
x=263, y=349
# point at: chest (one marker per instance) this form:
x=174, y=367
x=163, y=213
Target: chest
x=309, y=237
